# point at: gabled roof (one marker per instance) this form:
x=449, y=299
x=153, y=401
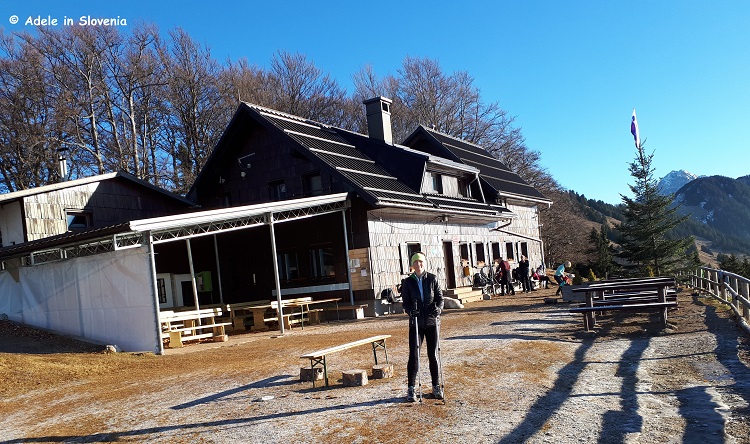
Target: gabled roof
x=493, y=172
x=383, y=175
x=17, y=195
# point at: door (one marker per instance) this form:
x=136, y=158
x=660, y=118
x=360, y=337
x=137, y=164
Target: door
x=450, y=267
x=183, y=290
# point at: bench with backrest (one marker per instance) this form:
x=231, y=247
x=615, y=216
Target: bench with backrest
x=644, y=294
x=318, y=358
x=191, y=325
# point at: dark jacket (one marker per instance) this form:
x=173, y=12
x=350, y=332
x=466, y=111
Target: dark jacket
x=431, y=306
x=523, y=267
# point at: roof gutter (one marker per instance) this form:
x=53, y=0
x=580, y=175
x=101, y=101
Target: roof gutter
x=511, y=215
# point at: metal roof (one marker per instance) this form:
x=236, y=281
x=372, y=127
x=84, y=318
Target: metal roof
x=173, y=228
x=381, y=174
x=86, y=180
x=491, y=170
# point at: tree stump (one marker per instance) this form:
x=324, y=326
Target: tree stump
x=307, y=374
x=354, y=378
x=382, y=371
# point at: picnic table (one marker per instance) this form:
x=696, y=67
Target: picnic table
x=313, y=316
x=639, y=294
x=257, y=310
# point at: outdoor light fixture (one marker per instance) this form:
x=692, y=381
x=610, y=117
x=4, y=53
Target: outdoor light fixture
x=244, y=161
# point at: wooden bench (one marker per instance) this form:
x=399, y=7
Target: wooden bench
x=318, y=358
x=644, y=294
x=187, y=325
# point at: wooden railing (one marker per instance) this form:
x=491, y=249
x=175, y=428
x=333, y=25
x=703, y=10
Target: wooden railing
x=729, y=288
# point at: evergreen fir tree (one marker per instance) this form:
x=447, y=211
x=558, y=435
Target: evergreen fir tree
x=602, y=251
x=648, y=219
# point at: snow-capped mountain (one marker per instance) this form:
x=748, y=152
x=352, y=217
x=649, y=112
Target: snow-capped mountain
x=675, y=180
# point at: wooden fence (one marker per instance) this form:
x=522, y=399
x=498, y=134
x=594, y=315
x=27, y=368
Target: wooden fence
x=729, y=288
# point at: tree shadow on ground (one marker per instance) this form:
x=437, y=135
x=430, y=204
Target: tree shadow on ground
x=153, y=433
x=264, y=383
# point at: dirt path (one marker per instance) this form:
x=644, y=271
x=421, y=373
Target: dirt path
x=516, y=370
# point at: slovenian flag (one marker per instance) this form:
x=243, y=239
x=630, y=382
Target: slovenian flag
x=634, y=130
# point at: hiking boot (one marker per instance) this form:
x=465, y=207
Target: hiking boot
x=410, y=397
x=437, y=392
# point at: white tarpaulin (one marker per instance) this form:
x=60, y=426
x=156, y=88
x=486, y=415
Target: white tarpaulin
x=105, y=297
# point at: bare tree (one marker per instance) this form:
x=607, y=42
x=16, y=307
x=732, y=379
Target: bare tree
x=28, y=146
x=136, y=78
x=193, y=92
x=298, y=87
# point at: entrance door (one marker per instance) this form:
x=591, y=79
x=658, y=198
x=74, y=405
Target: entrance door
x=450, y=267
x=183, y=290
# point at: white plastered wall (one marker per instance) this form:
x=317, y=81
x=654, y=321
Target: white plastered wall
x=106, y=297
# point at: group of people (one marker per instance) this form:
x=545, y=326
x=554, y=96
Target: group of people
x=422, y=299
x=504, y=275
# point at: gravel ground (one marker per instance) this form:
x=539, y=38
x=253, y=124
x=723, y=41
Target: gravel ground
x=516, y=370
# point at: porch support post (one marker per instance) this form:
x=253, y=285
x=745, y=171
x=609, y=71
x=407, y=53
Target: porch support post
x=154, y=292
x=346, y=250
x=192, y=277
x=279, y=308
x=218, y=271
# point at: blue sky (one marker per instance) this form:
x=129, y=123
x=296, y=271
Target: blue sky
x=570, y=72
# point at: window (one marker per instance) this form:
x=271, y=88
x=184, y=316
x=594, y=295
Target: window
x=463, y=188
x=437, y=183
x=496, y=250
x=161, y=290
x=479, y=249
x=525, y=249
x=321, y=262
x=225, y=199
x=277, y=190
x=288, y=266
x=509, y=251
x=78, y=220
x=312, y=184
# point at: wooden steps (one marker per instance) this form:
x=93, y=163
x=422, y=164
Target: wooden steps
x=464, y=294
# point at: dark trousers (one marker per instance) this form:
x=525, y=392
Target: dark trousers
x=431, y=334
x=560, y=281
x=525, y=281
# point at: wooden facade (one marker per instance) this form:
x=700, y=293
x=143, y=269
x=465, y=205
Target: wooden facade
x=94, y=202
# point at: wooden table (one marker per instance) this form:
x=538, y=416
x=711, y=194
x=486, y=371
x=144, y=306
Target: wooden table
x=304, y=306
x=625, y=294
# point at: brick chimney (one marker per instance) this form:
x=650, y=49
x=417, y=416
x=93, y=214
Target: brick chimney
x=379, y=119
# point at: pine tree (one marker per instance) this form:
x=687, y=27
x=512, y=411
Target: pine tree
x=601, y=250
x=648, y=219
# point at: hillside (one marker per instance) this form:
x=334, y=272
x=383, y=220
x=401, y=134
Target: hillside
x=719, y=210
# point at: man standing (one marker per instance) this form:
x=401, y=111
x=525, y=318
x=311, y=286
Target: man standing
x=423, y=302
